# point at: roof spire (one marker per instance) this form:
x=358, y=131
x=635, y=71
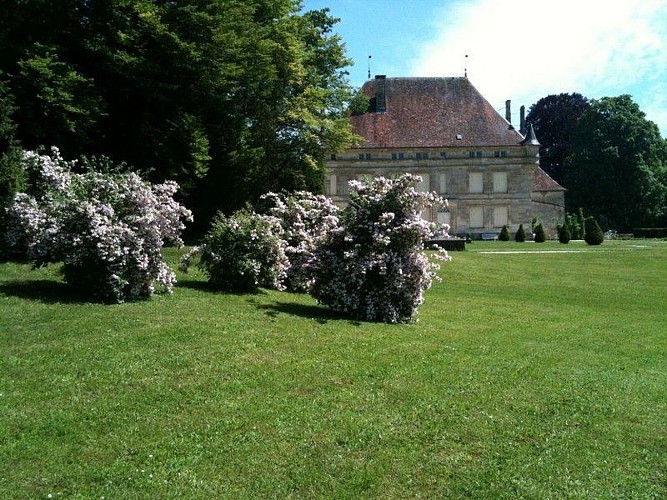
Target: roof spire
x=531, y=138
x=465, y=67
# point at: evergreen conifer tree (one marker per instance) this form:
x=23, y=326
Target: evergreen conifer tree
x=520, y=235
x=564, y=235
x=593, y=234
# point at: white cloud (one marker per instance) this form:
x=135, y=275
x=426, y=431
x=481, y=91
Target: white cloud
x=527, y=49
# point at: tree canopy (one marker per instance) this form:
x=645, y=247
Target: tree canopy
x=231, y=98
x=618, y=167
x=554, y=119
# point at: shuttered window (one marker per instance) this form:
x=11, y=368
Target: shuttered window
x=476, y=216
x=475, y=182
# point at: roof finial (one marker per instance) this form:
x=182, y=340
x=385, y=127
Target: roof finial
x=465, y=67
x=369, y=67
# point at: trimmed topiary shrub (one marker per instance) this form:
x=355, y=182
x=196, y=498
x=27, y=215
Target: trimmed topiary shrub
x=593, y=234
x=540, y=236
x=564, y=233
x=242, y=253
x=520, y=235
x=504, y=234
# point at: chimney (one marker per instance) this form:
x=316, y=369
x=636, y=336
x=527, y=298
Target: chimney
x=508, y=111
x=380, y=93
x=522, y=118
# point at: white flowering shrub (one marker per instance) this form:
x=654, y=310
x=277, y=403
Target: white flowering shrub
x=373, y=267
x=306, y=220
x=242, y=253
x=107, y=229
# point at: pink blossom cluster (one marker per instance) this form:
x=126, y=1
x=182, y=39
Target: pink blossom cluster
x=373, y=267
x=107, y=229
x=306, y=220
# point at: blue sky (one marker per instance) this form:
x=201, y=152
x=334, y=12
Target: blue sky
x=521, y=50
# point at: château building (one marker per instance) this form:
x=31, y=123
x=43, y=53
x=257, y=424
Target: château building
x=445, y=131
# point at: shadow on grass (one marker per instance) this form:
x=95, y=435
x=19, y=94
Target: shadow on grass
x=318, y=313
x=47, y=291
x=205, y=286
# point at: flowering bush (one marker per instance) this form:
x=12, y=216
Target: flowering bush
x=373, y=266
x=107, y=229
x=306, y=220
x=242, y=252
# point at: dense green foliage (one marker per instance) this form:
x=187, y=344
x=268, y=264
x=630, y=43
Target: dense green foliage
x=612, y=160
x=212, y=395
x=540, y=235
x=520, y=235
x=242, y=252
x=230, y=98
x=554, y=119
x=504, y=234
x=575, y=223
x=12, y=176
x=618, y=167
x=593, y=234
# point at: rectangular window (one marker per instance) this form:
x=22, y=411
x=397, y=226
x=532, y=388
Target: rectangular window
x=332, y=185
x=394, y=156
x=499, y=216
x=443, y=154
x=503, y=154
x=478, y=154
x=500, y=182
x=424, y=185
x=471, y=154
x=475, y=182
x=496, y=154
x=443, y=183
x=444, y=217
x=333, y=157
x=361, y=156
x=477, y=217
x=401, y=156
x=368, y=156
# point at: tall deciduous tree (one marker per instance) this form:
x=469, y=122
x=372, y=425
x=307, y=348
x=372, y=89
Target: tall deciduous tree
x=231, y=98
x=554, y=119
x=618, y=167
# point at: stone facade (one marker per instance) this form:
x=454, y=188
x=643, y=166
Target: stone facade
x=443, y=130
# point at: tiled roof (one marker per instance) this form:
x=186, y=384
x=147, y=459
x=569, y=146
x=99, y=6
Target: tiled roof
x=542, y=182
x=432, y=112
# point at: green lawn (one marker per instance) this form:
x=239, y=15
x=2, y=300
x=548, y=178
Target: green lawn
x=528, y=375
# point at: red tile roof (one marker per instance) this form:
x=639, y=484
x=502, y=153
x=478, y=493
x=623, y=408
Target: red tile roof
x=432, y=112
x=542, y=182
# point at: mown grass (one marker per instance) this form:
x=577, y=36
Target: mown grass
x=528, y=375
